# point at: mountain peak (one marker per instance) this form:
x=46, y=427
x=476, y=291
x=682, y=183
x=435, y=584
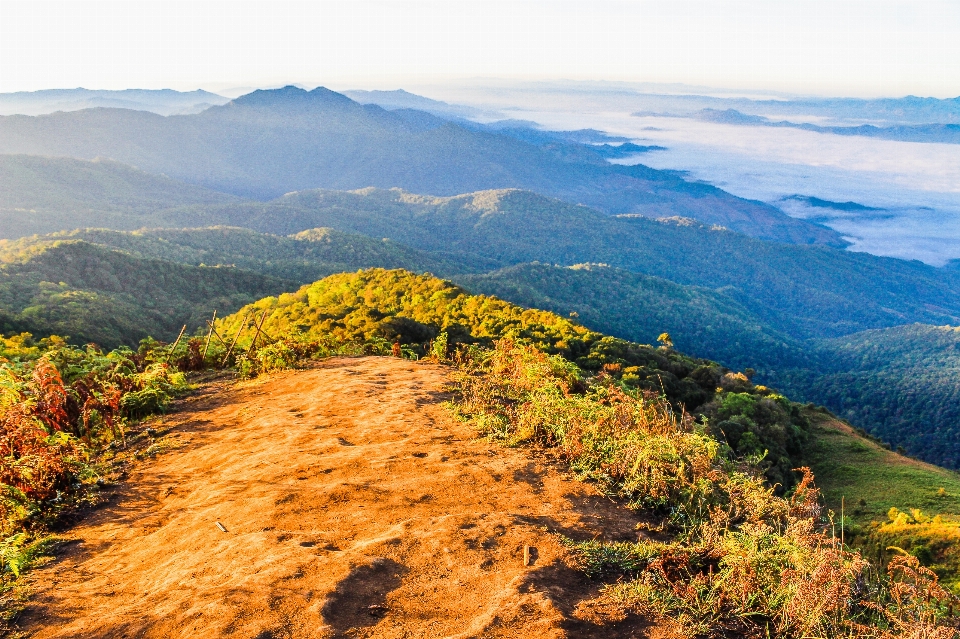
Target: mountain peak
x=291, y=95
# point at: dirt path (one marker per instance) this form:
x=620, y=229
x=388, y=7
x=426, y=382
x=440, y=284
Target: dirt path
x=354, y=506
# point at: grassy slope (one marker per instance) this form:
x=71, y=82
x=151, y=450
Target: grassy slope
x=854, y=467
x=398, y=306
x=364, y=305
x=900, y=382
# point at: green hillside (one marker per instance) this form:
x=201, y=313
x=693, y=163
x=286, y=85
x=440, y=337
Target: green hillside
x=733, y=323
x=851, y=468
x=862, y=481
x=768, y=323
x=901, y=383
x=115, y=287
x=91, y=293
x=639, y=308
x=268, y=143
x=801, y=291
x=45, y=194
x=304, y=257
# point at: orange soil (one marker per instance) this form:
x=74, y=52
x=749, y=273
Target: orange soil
x=354, y=506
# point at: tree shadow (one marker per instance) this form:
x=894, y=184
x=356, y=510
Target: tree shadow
x=360, y=599
x=574, y=596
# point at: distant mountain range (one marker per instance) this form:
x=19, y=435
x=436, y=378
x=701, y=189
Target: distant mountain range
x=906, y=111
x=400, y=99
x=268, y=143
x=942, y=133
x=163, y=101
x=820, y=203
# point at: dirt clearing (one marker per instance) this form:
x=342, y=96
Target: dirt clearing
x=354, y=506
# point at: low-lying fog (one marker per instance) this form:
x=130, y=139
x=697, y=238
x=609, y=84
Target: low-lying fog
x=910, y=191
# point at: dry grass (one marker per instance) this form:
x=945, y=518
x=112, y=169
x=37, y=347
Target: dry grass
x=740, y=560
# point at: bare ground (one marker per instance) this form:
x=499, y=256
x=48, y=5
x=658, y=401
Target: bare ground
x=354, y=506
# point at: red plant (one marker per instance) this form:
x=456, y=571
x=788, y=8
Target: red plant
x=192, y=360
x=51, y=396
x=29, y=461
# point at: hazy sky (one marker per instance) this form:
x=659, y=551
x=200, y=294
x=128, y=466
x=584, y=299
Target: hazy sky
x=839, y=47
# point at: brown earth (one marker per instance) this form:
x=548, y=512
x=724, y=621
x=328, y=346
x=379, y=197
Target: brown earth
x=354, y=506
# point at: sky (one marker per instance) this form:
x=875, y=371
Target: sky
x=820, y=47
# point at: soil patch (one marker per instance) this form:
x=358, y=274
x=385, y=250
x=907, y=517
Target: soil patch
x=350, y=504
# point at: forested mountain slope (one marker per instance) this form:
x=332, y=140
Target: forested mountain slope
x=115, y=287
x=267, y=143
x=640, y=307
x=303, y=257
x=901, y=383
x=797, y=291
x=91, y=293
x=801, y=291
x=45, y=195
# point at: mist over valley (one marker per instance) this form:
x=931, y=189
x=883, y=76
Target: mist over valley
x=914, y=182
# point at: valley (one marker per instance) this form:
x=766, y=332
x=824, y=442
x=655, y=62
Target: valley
x=913, y=182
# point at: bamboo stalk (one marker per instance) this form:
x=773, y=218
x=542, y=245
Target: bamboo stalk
x=243, y=324
x=216, y=334
x=174, y=347
x=209, y=335
x=263, y=318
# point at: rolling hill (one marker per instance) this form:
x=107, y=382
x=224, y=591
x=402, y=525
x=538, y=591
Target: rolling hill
x=43, y=195
x=268, y=143
x=802, y=291
x=94, y=294
x=116, y=288
x=302, y=257
x=738, y=300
